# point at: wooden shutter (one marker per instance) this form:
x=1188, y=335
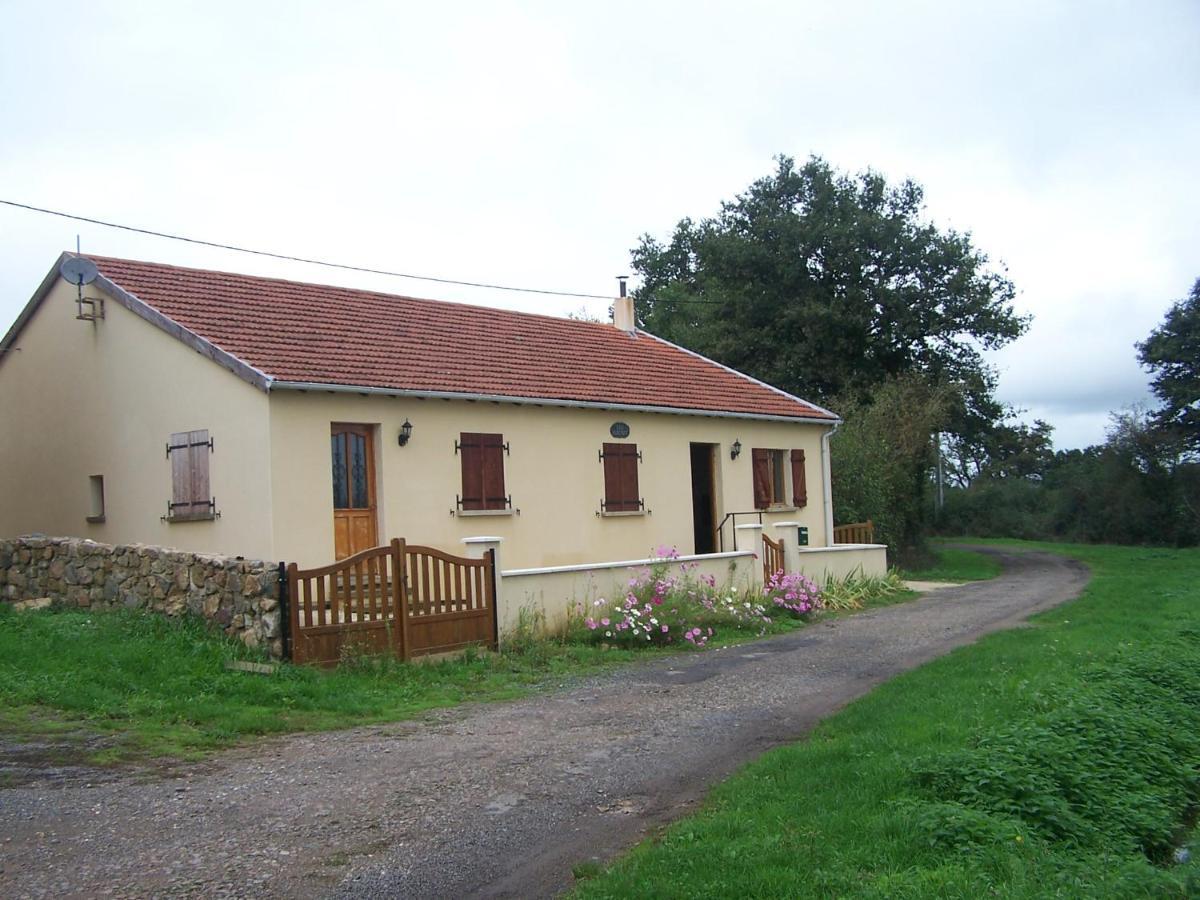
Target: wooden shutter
x=482, y=471
x=621, y=478
x=799, y=480
x=493, y=471
x=190, y=497
x=761, y=465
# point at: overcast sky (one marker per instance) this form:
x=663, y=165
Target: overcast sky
x=532, y=143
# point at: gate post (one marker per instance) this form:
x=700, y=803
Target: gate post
x=285, y=610
x=489, y=548
x=400, y=592
x=786, y=532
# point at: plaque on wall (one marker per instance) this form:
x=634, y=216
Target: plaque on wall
x=619, y=430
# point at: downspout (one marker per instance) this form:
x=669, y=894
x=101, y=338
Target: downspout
x=827, y=481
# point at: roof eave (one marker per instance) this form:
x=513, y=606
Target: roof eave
x=316, y=386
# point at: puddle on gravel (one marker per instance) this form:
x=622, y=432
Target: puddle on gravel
x=54, y=761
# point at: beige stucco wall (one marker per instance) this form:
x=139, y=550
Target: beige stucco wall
x=78, y=399
x=823, y=564
x=554, y=592
x=552, y=473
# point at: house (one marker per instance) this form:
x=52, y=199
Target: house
x=238, y=415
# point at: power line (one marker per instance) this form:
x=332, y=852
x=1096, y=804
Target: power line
x=300, y=259
x=326, y=264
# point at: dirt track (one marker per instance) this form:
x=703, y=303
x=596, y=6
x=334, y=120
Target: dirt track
x=493, y=800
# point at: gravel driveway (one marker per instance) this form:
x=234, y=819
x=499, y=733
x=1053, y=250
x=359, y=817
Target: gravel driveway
x=486, y=800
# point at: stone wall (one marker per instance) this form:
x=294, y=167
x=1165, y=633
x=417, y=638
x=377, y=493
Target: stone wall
x=240, y=596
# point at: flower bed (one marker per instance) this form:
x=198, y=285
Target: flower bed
x=668, y=604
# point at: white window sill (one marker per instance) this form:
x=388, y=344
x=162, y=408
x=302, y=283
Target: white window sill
x=469, y=513
x=782, y=509
x=623, y=514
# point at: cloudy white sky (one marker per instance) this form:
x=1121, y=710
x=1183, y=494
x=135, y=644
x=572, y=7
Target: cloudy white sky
x=532, y=143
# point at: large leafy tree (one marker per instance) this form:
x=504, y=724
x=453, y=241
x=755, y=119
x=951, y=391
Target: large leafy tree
x=826, y=285
x=1172, y=354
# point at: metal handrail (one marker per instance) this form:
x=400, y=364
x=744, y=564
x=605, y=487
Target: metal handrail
x=734, y=515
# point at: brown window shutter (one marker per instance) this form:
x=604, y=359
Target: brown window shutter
x=621, y=478
x=799, y=480
x=492, y=453
x=470, y=448
x=181, y=474
x=190, y=496
x=199, y=451
x=761, y=466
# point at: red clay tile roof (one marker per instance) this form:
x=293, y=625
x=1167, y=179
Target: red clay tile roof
x=330, y=335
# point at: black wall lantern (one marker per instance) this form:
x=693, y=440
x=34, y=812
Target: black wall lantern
x=405, y=432
x=736, y=450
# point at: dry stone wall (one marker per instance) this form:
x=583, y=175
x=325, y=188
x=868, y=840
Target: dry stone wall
x=240, y=596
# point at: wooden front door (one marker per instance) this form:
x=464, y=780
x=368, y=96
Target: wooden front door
x=354, y=514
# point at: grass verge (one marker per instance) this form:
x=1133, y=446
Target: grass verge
x=955, y=564
x=151, y=686
x=1059, y=760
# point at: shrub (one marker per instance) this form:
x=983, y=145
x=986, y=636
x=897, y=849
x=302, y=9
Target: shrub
x=792, y=593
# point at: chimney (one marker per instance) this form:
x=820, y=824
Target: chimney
x=623, y=309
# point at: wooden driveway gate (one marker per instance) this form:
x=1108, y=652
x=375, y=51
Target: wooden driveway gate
x=400, y=599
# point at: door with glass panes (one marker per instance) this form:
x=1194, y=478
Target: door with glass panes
x=354, y=514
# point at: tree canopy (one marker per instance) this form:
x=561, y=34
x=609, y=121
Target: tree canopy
x=1172, y=354
x=826, y=285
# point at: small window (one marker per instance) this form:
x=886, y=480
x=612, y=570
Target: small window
x=768, y=471
x=96, y=490
x=190, y=501
x=621, y=478
x=482, y=471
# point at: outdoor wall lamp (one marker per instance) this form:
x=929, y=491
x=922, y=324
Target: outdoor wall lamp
x=736, y=450
x=405, y=432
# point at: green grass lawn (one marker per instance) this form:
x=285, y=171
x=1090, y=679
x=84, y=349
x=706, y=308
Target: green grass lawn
x=154, y=686
x=954, y=564
x=161, y=687
x=1058, y=760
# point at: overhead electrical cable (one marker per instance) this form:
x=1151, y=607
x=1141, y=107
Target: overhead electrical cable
x=319, y=262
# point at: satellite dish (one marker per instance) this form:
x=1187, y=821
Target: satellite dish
x=78, y=270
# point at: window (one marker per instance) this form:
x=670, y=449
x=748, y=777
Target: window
x=621, y=478
x=770, y=478
x=96, y=489
x=482, y=471
x=188, y=452
x=769, y=489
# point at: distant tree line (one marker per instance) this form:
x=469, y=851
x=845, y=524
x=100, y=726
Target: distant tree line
x=836, y=288
x=1141, y=486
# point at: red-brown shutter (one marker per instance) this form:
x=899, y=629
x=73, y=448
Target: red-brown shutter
x=761, y=466
x=470, y=447
x=621, y=478
x=799, y=480
x=493, y=471
x=190, y=497
x=482, y=471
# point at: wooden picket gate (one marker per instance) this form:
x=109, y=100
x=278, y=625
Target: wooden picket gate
x=772, y=557
x=402, y=599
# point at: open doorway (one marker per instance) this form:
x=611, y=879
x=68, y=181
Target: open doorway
x=704, y=497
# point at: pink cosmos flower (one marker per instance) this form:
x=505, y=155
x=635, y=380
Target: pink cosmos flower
x=604, y=622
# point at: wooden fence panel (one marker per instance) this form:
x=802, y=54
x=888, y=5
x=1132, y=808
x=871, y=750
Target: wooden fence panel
x=404, y=599
x=855, y=533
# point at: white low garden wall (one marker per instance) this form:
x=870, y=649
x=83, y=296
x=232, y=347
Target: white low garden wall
x=824, y=564
x=553, y=591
